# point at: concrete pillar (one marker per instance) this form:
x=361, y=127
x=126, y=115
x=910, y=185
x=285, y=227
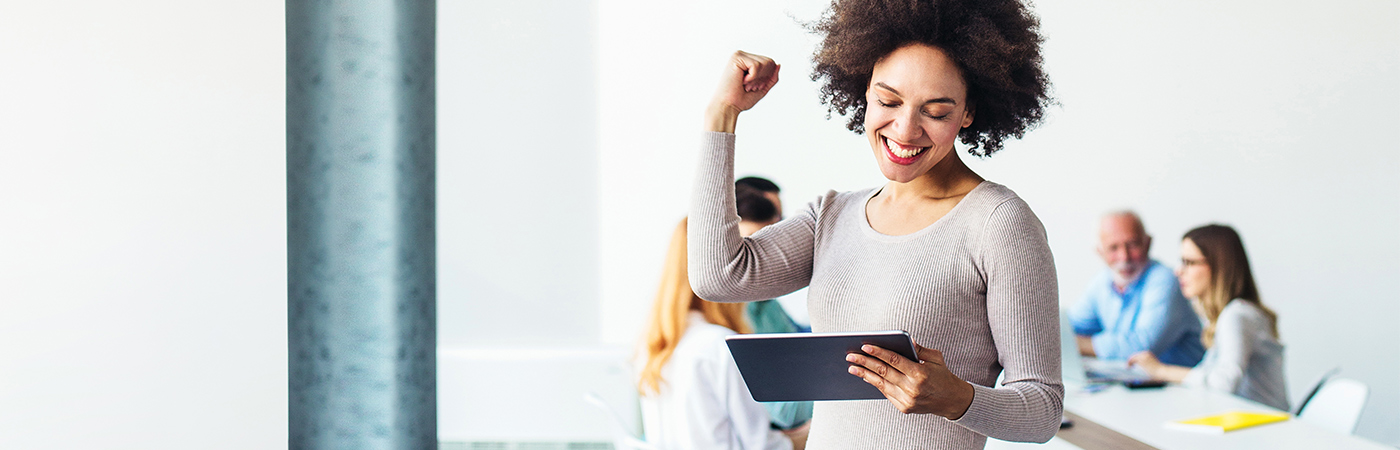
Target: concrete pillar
x=361, y=260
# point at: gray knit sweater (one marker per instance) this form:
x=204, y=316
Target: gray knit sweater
x=978, y=285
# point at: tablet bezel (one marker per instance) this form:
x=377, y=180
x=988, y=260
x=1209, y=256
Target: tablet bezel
x=810, y=366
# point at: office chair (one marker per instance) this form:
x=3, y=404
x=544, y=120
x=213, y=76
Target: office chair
x=1312, y=392
x=623, y=437
x=1336, y=404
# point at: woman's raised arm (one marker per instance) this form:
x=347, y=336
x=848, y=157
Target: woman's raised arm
x=724, y=266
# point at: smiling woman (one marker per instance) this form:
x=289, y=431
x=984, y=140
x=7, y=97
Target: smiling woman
x=926, y=115
x=959, y=262
x=995, y=48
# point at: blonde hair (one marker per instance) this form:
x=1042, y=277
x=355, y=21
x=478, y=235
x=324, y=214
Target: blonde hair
x=670, y=314
x=1230, y=276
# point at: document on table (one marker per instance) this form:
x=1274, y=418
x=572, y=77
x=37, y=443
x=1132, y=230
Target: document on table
x=1230, y=421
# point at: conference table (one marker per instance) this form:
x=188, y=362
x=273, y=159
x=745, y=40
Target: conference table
x=1122, y=418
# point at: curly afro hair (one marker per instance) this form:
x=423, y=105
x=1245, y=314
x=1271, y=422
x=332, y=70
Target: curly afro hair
x=995, y=43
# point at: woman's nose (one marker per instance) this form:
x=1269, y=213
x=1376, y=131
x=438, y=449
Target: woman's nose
x=906, y=128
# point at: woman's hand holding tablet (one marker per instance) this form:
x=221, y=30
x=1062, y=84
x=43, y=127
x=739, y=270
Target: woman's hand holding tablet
x=810, y=366
x=926, y=387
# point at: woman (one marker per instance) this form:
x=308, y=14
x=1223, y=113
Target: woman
x=1243, y=353
x=960, y=263
x=692, y=394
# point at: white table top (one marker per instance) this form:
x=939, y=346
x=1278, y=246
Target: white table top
x=1141, y=413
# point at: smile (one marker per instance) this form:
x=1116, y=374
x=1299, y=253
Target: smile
x=901, y=154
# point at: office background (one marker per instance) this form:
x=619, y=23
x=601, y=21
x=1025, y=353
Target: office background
x=142, y=255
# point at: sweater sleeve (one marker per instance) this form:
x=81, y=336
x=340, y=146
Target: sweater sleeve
x=725, y=267
x=1022, y=309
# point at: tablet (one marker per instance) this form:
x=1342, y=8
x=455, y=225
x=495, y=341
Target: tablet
x=789, y=367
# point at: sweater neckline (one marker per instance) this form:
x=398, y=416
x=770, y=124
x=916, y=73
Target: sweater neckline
x=871, y=232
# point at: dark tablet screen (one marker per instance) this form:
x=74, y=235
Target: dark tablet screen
x=785, y=367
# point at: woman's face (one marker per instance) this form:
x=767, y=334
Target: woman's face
x=916, y=104
x=1193, y=273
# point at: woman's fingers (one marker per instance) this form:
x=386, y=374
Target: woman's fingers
x=929, y=355
x=898, y=361
x=875, y=366
x=900, y=376
x=764, y=83
x=750, y=79
x=1146, y=361
x=760, y=72
x=893, y=392
x=747, y=67
x=913, y=386
x=757, y=68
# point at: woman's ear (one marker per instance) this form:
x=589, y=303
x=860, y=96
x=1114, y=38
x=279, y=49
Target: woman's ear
x=968, y=113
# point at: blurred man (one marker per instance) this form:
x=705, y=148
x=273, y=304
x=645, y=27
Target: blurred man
x=768, y=188
x=1135, y=304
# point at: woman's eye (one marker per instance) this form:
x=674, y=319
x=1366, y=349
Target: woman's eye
x=887, y=105
x=930, y=115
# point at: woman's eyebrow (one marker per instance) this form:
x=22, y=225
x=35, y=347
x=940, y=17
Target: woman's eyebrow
x=947, y=100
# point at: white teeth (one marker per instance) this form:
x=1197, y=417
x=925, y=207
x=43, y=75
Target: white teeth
x=900, y=150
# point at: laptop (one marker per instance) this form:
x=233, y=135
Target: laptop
x=1083, y=370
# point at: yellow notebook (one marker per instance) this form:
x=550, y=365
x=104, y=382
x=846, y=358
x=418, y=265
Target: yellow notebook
x=1230, y=421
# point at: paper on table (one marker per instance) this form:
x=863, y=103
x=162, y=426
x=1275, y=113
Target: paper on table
x=1230, y=421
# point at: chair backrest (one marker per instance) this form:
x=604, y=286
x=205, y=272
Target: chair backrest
x=1337, y=405
x=623, y=436
x=1298, y=409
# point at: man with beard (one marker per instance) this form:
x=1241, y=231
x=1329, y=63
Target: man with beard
x=1136, y=305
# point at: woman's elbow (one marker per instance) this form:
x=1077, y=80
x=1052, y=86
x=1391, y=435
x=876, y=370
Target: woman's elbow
x=709, y=287
x=1051, y=425
x=708, y=292
x=1047, y=433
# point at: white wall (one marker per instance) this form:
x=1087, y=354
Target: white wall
x=517, y=225
x=142, y=250
x=517, y=174
x=1277, y=118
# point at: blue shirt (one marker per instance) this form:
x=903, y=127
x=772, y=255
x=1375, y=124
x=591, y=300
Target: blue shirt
x=1149, y=315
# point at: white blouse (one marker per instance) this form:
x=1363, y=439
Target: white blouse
x=703, y=402
x=1246, y=359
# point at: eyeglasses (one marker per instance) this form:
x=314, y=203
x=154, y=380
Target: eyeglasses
x=1187, y=262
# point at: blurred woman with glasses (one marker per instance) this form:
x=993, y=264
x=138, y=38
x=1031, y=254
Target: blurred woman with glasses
x=1243, y=353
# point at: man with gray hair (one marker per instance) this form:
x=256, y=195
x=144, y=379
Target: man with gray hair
x=1136, y=304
